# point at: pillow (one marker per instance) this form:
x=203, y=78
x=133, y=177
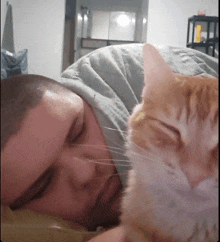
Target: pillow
x=25, y=225
x=13, y=63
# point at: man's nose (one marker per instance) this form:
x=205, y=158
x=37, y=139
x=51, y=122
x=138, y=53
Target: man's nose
x=79, y=168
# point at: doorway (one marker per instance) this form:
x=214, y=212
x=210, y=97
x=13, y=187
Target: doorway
x=92, y=24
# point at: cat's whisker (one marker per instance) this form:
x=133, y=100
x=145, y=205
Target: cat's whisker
x=116, y=174
x=102, y=147
x=116, y=144
x=148, y=157
x=114, y=160
x=110, y=149
x=123, y=131
x=123, y=153
x=106, y=164
x=141, y=149
x=144, y=150
x=116, y=150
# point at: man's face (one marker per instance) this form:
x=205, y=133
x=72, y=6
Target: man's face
x=59, y=163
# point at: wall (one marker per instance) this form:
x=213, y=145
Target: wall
x=168, y=19
x=3, y=15
x=39, y=27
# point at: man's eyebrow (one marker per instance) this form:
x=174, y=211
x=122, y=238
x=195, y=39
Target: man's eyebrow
x=32, y=191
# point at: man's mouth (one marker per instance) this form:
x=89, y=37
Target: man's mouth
x=112, y=190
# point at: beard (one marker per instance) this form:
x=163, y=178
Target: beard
x=103, y=213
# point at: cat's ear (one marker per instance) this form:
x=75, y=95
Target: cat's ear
x=156, y=70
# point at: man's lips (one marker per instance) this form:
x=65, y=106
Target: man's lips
x=111, y=190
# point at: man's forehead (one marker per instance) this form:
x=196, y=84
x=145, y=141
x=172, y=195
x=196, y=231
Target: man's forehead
x=63, y=94
x=62, y=105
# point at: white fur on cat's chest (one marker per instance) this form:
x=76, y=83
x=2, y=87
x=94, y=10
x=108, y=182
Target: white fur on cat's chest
x=176, y=207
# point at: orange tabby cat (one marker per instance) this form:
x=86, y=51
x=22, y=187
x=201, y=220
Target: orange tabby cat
x=173, y=146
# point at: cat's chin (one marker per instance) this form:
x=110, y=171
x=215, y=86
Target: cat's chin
x=184, y=213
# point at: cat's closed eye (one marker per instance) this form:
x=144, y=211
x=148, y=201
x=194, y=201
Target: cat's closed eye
x=163, y=134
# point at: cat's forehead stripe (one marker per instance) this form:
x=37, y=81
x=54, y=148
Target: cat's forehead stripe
x=200, y=97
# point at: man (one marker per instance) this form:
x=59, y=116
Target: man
x=49, y=164
x=56, y=160
x=63, y=144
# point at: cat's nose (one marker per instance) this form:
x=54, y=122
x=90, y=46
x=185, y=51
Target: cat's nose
x=195, y=173
x=194, y=181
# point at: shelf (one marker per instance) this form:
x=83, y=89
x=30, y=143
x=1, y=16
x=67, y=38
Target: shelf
x=199, y=44
x=203, y=18
x=216, y=39
x=208, y=41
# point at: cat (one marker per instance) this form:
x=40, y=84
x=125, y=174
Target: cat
x=172, y=193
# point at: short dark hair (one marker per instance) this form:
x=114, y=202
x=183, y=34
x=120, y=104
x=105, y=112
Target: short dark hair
x=18, y=95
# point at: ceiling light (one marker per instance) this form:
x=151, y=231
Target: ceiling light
x=123, y=20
